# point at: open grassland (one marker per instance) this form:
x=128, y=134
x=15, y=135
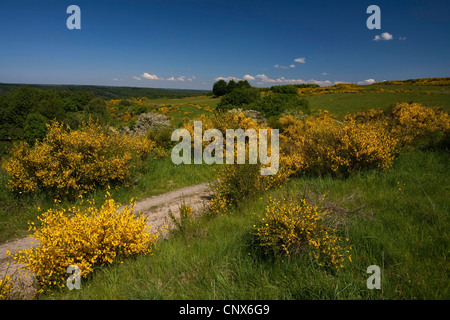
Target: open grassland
x=383, y=175
x=343, y=103
x=402, y=228
x=178, y=110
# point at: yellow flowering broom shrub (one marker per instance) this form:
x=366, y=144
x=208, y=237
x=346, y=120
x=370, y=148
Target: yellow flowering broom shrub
x=416, y=124
x=69, y=162
x=237, y=182
x=224, y=121
x=324, y=145
x=367, y=145
x=293, y=227
x=185, y=219
x=86, y=237
x=6, y=288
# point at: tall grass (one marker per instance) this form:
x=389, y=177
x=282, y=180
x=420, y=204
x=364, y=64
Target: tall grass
x=403, y=230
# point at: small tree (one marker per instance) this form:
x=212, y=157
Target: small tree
x=243, y=84
x=231, y=86
x=220, y=88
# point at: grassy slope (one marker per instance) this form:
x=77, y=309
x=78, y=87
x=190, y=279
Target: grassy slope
x=406, y=234
x=342, y=103
x=214, y=262
x=179, y=101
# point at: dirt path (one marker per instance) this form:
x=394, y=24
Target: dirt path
x=156, y=208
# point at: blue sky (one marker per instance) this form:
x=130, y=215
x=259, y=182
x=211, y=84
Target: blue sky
x=191, y=44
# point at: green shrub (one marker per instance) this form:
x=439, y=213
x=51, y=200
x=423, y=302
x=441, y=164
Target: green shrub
x=35, y=127
x=239, y=98
x=220, y=88
x=276, y=103
x=286, y=89
x=69, y=162
x=238, y=183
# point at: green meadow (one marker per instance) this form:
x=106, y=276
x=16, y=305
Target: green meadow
x=396, y=219
x=402, y=228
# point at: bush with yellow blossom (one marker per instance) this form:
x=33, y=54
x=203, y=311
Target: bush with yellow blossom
x=6, y=288
x=69, y=162
x=291, y=227
x=323, y=144
x=413, y=124
x=86, y=237
x=237, y=182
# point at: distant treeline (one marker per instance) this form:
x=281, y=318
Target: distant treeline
x=419, y=82
x=110, y=92
x=25, y=111
x=221, y=87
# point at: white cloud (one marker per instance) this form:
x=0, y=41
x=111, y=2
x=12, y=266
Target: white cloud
x=264, y=78
x=227, y=78
x=284, y=67
x=300, y=60
x=115, y=79
x=341, y=82
x=384, y=36
x=324, y=73
x=150, y=76
x=401, y=38
x=180, y=78
x=368, y=81
x=320, y=83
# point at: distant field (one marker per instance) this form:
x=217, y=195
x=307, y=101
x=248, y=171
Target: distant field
x=189, y=107
x=208, y=100
x=177, y=109
x=342, y=103
x=336, y=103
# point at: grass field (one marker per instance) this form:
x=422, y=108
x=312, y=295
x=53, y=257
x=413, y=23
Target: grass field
x=190, y=107
x=342, y=103
x=402, y=227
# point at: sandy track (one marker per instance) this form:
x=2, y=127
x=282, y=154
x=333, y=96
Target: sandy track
x=156, y=208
